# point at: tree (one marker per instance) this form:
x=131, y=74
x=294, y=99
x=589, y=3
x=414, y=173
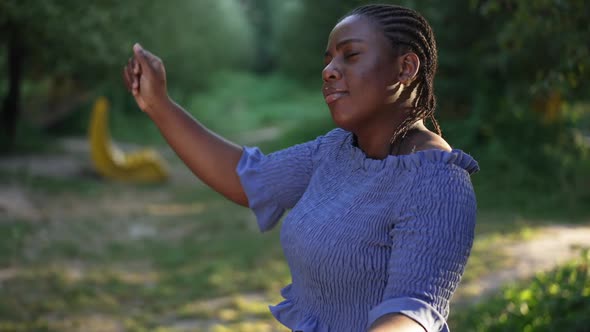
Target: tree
x=547, y=41
x=80, y=45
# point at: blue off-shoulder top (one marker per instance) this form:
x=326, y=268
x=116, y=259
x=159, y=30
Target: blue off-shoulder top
x=364, y=237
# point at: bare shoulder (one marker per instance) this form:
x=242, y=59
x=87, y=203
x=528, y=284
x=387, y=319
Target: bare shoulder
x=433, y=141
x=427, y=140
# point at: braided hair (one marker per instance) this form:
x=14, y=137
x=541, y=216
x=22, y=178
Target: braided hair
x=408, y=31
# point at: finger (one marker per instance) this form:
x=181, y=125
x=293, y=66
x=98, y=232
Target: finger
x=126, y=78
x=129, y=75
x=133, y=77
x=135, y=82
x=145, y=58
x=142, y=56
x=136, y=67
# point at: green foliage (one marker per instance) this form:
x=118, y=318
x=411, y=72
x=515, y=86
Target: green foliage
x=63, y=36
x=555, y=33
x=510, y=92
x=92, y=41
x=557, y=300
x=74, y=50
x=197, y=38
x=238, y=103
x=494, y=82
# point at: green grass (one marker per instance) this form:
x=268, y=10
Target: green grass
x=12, y=234
x=77, y=266
x=86, y=186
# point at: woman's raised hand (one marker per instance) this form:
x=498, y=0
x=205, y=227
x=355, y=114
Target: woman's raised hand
x=215, y=159
x=145, y=78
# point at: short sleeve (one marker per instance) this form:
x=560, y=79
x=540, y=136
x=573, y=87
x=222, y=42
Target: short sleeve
x=430, y=246
x=275, y=182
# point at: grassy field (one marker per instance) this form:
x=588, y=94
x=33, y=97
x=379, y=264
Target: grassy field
x=110, y=257
x=94, y=255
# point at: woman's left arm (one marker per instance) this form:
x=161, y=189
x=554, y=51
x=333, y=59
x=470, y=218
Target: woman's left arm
x=431, y=242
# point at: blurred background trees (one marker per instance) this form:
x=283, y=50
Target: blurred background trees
x=512, y=88
x=511, y=81
x=56, y=54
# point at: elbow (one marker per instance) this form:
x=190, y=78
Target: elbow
x=239, y=198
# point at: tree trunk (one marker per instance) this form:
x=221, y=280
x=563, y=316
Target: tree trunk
x=264, y=62
x=11, y=104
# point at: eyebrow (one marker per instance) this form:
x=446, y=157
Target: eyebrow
x=344, y=42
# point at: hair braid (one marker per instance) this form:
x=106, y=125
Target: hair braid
x=407, y=30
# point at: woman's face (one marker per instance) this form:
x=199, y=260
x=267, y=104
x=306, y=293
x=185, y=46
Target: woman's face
x=360, y=70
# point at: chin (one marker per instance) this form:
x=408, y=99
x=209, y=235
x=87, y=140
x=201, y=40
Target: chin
x=345, y=119
x=342, y=122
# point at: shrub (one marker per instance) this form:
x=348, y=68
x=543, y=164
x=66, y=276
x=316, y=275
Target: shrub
x=557, y=300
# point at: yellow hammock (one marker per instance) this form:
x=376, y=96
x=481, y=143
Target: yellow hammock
x=111, y=162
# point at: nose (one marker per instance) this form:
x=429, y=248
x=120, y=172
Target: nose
x=331, y=73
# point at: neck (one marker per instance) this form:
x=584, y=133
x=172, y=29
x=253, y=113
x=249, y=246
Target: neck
x=375, y=141
x=403, y=138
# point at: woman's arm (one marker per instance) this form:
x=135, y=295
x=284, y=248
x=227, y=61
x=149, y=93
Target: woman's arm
x=396, y=323
x=210, y=157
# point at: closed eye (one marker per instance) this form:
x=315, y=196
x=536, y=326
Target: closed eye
x=351, y=55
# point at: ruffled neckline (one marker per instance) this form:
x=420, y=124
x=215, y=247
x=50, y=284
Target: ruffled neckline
x=411, y=161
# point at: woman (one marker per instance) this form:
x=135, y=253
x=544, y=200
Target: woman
x=383, y=210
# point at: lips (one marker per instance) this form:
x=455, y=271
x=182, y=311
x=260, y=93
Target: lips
x=331, y=95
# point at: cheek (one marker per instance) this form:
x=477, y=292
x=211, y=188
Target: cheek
x=376, y=77
x=374, y=86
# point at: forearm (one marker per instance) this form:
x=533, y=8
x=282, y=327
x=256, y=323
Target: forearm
x=209, y=156
x=396, y=323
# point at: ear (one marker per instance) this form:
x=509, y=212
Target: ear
x=409, y=64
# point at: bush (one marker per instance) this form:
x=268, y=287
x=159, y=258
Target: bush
x=557, y=300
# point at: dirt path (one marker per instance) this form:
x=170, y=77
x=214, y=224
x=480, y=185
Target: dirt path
x=553, y=245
